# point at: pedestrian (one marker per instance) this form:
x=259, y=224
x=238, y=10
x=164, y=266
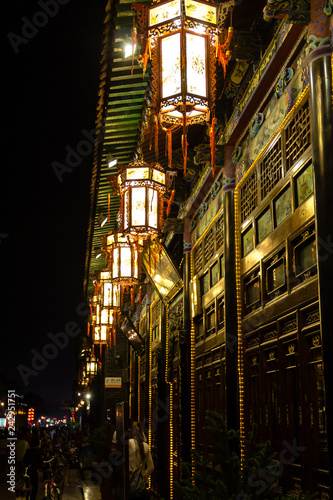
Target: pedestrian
x=33, y=460
x=58, y=440
x=28, y=436
x=21, y=447
x=141, y=464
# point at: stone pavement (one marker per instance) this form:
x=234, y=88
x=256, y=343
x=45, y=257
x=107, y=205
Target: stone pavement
x=91, y=491
x=77, y=486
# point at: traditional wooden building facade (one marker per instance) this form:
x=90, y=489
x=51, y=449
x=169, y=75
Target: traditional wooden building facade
x=233, y=306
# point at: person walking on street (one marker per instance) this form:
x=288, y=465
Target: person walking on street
x=140, y=463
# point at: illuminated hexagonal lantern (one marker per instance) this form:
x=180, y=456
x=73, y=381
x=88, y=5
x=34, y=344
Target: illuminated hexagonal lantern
x=110, y=292
x=124, y=259
x=105, y=303
x=142, y=187
x=182, y=36
x=91, y=365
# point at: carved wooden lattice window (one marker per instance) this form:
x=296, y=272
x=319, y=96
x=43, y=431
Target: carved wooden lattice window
x=199, y=330
x=270, y=169
x=209, y=245
x=198, y=258
x=219, y=234
x=249, y=197
x=210, y=320
x=298, y=137
x=220, y=312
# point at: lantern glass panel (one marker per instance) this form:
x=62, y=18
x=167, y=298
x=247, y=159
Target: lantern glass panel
x=200, y=11
x=135, y=264
x=97, y=313
x=137, y=173
x=164, y=12
x=171, y=68
x=107, y=294
x=104, y=333
x=104, y=317
x=115, y=263
x=138, y=206
x=105, y=276
x=196, y=64
x=152, y=209
x=125, y=262
x=110, y=239
x=97, y=334
x=116, y=297
x=158, y=176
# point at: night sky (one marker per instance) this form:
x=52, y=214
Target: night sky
x=51, y=75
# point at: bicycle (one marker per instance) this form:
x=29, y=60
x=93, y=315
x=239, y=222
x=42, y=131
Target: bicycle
x=53, y=481
x=23, y=488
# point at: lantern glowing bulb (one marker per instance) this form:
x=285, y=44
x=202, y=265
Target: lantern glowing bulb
x=102, y=219
x=129, y=49
x=112, y=162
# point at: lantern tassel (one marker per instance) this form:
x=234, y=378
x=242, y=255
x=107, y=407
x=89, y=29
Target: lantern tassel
x=149, y=256
x=156, y=139
x=170, y=202
x=100, y=351
x=223, y=52
x=184, y=142
x=212, y=144
x=140, y=295
x=184, y=148
x=146, y=56
x=168, y=146
x=132, y=296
